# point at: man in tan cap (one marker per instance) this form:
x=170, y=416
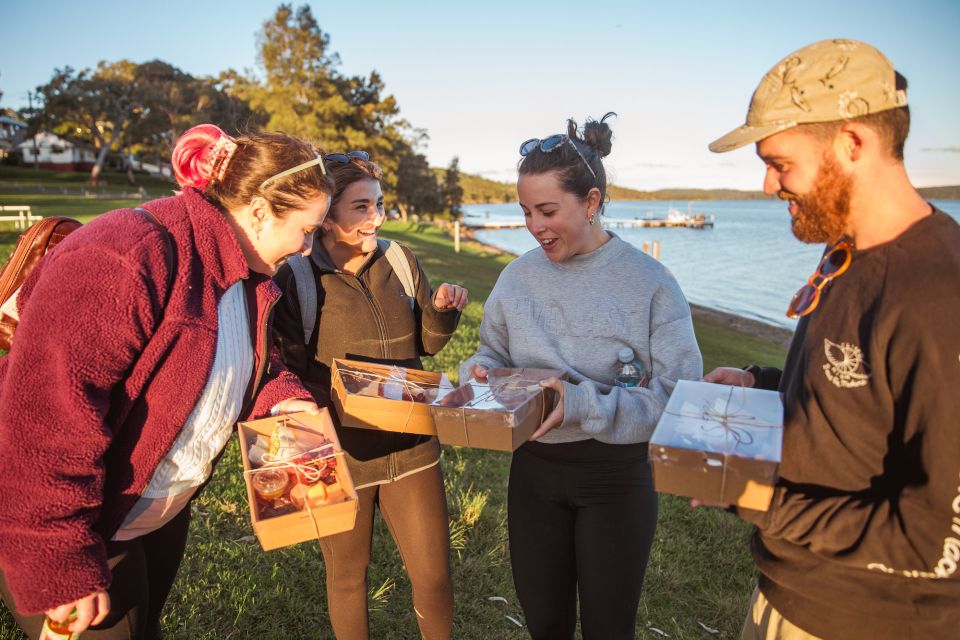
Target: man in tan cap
x=862, y=538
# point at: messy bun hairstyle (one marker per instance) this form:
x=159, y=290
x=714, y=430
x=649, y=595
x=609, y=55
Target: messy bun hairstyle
x=346, y=173
x=595, y=143
x=230, y=171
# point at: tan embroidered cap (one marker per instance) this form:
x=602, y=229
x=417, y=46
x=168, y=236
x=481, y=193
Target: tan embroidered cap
x=823, y=82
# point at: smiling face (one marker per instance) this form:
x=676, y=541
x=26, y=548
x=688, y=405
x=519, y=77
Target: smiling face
x=803, y=170
x=558, y=219
x=271, y=240
x=350, y=232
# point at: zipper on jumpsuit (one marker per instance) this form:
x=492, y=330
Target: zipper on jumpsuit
x=377, y=316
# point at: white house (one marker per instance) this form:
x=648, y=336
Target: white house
x=11, y=131
x=60, y=154
x=164, y=169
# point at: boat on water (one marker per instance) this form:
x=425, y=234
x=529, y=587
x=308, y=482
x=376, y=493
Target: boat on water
x=674, y=218
x=689, y=219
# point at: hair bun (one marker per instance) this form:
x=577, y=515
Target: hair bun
x=598, y=135
x=192, y=157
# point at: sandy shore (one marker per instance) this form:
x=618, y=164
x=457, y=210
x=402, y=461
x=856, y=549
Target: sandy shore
x=777, y=335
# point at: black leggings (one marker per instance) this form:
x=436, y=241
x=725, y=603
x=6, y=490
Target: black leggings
x=143, y=572
x=581, y=518
x=415, y=510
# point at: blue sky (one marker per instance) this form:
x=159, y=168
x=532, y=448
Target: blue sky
x=482, y=77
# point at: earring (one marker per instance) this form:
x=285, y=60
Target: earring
x=592, y=217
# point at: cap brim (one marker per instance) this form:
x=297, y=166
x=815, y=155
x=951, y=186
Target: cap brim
x=747, y=134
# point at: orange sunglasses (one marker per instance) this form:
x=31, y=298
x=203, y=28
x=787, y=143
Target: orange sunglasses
x=834, y=262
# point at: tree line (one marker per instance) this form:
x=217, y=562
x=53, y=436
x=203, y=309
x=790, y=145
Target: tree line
x=140, y=109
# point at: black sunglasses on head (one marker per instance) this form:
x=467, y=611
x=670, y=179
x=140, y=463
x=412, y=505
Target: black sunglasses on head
x=344, y=158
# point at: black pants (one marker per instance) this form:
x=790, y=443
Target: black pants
x=143, y=572
x=581, y=519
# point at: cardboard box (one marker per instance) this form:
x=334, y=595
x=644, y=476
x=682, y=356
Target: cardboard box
x=359, y=403
x=500, y=415
x=719, y=443
x=337, y=516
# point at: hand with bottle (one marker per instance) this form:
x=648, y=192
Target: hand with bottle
x=69, y=620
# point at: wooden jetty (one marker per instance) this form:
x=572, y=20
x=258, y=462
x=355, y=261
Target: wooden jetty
x=473, y=223
x=693, y=222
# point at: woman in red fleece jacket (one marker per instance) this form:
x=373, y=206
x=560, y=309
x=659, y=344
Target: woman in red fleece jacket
x=139, y=346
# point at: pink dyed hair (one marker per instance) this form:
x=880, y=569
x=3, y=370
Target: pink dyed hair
x=193, y=156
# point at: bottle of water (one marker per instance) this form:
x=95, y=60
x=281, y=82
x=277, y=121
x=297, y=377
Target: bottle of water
x=630, y=373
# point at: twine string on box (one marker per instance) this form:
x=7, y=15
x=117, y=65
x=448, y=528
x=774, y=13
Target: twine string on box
x=411, y=387
x=326, y=493
x=732, y=423
x=491, y=391
x=306, y=470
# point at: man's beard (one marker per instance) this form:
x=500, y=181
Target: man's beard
x=822, y=213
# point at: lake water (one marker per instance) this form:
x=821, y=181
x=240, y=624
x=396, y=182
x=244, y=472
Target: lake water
x=749, y=263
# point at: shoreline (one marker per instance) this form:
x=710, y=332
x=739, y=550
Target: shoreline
x=780, y=336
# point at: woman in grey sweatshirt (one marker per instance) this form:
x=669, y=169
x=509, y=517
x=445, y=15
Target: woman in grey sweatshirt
x=581, y=504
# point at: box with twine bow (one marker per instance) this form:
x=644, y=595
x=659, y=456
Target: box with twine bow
x=719, y=443
x=298, y=485
x=501, y=414
x=384, y=397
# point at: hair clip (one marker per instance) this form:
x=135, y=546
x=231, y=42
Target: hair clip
x=221, y=153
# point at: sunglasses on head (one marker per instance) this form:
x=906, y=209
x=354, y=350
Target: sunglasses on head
x=344, y=158
x=548, y=145
x=834, y=262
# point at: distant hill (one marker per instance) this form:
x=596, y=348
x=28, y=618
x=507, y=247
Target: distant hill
x=951, y=192
x=680, y=193
x=477, y=190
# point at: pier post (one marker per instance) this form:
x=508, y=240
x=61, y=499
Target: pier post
x=456, y=236
x=656, y=249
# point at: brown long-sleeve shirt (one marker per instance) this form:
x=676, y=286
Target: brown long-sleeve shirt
x=363, y=316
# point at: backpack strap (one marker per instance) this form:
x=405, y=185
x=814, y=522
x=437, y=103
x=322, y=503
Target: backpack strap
x=306, y=293
x=401, y=266
x=170, y=250
x=307, y=286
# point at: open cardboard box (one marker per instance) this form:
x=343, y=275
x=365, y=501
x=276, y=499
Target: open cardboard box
x=337, y=515
x=381, y=413
x=719, y=443
x=500, y=415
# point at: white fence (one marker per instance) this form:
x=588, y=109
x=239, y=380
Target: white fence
x=20, y=215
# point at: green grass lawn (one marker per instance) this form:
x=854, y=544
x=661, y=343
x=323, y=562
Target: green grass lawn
x=699, y=571
x=43, y=179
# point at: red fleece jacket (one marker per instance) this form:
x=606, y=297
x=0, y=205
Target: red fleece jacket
x=101, y=378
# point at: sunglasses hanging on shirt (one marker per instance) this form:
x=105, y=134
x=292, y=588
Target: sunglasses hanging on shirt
x=832, y=265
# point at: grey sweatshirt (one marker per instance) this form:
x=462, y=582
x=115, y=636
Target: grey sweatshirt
x=575, y=316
